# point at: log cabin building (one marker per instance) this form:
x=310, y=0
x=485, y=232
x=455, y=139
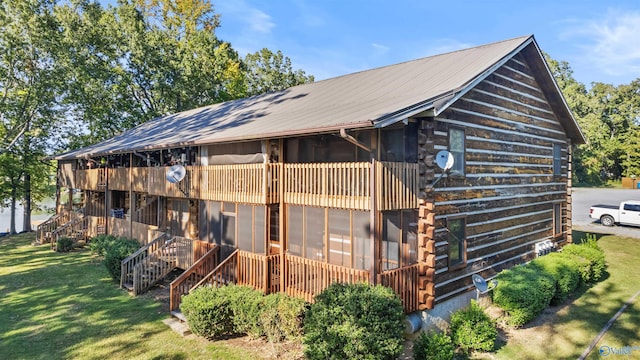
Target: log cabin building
x=336, y=180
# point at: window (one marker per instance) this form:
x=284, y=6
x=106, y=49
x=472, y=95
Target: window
x=391, y=237
x=557, y=150
x=457, y=149
x=557, y=220
x=399, y=239
x=457, y=242
x=339, y=237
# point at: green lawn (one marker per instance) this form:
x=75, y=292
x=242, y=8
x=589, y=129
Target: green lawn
x=56, y=306
x=568, y=330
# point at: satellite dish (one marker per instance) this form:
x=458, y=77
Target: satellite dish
x=482, y=287
x=444, y=160
x=176, y=173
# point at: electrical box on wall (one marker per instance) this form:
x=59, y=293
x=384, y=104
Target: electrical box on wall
x=545, y=247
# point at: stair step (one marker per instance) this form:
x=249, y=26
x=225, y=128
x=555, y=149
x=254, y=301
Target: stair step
x=177, y=326
x=179, y=315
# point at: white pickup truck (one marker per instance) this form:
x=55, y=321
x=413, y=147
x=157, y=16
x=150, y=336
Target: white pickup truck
x=627, y=213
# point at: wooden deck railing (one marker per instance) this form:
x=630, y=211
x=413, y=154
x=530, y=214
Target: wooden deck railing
x=91, y=179
x=261, y=272
x=347, y=185
x=119, y=179
x=247, y=183
x=306, y=278
x=404, y=282
x=342, y=185
x=206, y=263
x=397, y=185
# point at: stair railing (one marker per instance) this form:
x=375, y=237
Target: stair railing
x=192, y=276
x=129, y=263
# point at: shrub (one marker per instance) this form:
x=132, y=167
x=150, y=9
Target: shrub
x=354, y=321
x=208, y=312
x=563, y=269
x=523, y=292
x=64, y=244
x=246, y=307
x=593, y=269
x=436, y=346
x=282, y=317
x=100, y=243
x=472, y=329
x=117, y=251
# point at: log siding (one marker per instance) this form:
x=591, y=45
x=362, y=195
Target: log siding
x=509, y=190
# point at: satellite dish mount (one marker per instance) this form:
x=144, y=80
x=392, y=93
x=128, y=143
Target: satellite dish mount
x=445, y=161
x=175, y=174
x=482, y=287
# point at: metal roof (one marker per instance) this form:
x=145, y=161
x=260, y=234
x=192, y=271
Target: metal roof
x=376, y=97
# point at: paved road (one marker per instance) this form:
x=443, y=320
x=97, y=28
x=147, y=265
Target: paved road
x=583, y=198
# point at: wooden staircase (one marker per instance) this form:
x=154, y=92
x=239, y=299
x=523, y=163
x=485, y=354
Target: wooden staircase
x=192, y=276
x=142, y=269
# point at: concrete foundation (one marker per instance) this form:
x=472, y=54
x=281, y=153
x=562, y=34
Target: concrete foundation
x=438, y=318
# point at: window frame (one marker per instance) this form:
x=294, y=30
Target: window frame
x=557, y=220
x=458, y=170
x=462, y=243
x=557, y=160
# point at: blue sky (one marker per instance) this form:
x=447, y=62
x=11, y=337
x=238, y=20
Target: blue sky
x=599, y=39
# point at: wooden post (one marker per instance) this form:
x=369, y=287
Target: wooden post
x=132, y=200
x=282, y=217
x=372, y=221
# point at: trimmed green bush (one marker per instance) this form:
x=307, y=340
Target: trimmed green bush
x=282, y=317
x=64, y=244
x=100, y=243
x=523, y=292
x=354, y=321
x=593, y=269
x=246, y=305
x=432, y=345
x=208, y=312
x=564, y=270
x=472, y=329
x=117, y=251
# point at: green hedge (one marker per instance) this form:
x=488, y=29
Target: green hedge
x=239, y=310
x=590, y=259
x=433, y=346
x=354, y=321
x=116, y=251
x=282, y=318
x=208, y=312
x=564, y=269
x=472, y=329
x=523, y=292
x=99, y=244
x=64, y=244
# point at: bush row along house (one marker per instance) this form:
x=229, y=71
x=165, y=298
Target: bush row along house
x=336, y=180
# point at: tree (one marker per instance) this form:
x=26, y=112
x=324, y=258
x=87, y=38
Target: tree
x=28, y=104
x=267, y=72
x=140, y=60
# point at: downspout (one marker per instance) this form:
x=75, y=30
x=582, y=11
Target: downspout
x=354, y=141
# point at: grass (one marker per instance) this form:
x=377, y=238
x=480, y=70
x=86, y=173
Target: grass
x=565, y=331
x=61, y=306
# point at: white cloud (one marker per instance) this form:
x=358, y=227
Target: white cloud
x=611, y=43
x=379, y=49
x=255, y=19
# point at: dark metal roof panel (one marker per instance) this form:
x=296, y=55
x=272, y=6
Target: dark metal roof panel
x=354, y=100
